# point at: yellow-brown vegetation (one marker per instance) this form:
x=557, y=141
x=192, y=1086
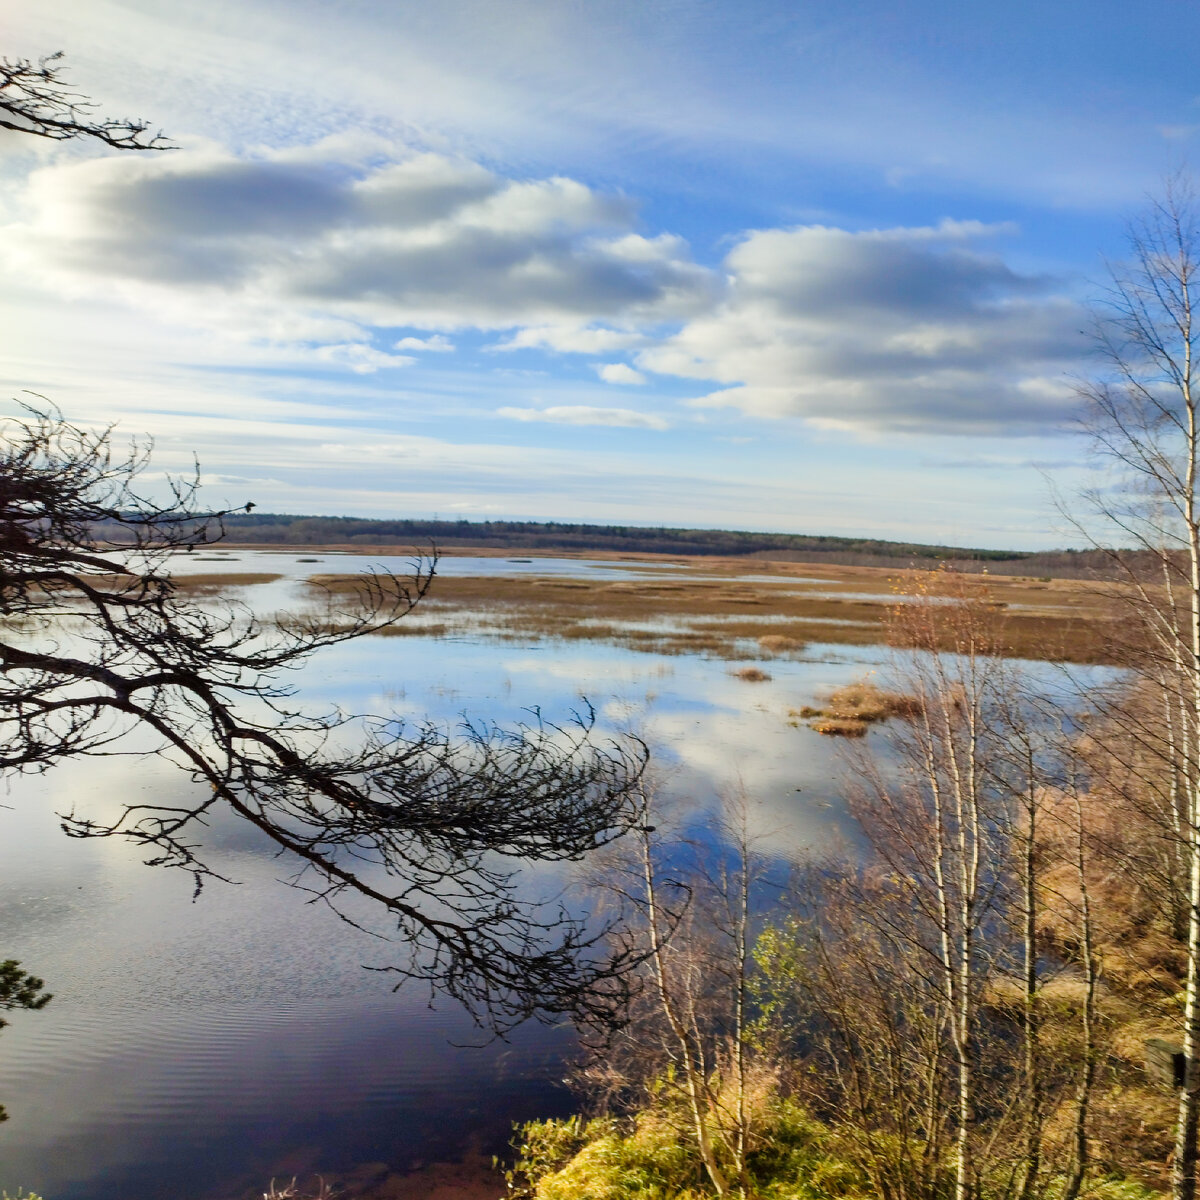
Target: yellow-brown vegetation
x=850, y=710
x=779, y=608
x=751, y=674
x=840, y=727
x=202, y=583
x=1140, y=964
x=779, y=643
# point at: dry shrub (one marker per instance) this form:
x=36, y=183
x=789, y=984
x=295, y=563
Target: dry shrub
x=852, y=708
x=1132, y=1131
x=780, y=643
x=751, y=674
x=866, y=702
x=840, y=727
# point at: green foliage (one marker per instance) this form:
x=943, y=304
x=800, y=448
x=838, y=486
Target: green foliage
x=653, y=1157
x=779, y=954
x=1112, y=1188
x=1119, y=1189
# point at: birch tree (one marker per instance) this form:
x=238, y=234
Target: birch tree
x=690, y=906
x=1144, y=420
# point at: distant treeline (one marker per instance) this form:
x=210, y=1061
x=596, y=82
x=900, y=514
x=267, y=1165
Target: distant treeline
x=286, y=529
x=555, y=535
x=291, y=530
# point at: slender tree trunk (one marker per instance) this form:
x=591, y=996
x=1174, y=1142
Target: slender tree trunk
x=1183, y=1181
x=1031, y=1049
x=742, y=950
x=695, y=1083
x=1184, y=1174
x=1087, y=1077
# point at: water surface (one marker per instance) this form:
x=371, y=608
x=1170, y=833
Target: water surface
x=193, y=1050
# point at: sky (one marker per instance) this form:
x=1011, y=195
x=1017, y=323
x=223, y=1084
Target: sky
x=750, y=265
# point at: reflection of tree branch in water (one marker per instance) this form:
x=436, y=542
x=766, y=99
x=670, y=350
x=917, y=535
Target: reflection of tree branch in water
x=19, y=989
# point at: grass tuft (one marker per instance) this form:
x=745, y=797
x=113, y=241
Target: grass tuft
x=751, y=674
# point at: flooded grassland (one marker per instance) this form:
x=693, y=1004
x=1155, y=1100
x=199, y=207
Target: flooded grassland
x=194, y=1050
x=735, y=609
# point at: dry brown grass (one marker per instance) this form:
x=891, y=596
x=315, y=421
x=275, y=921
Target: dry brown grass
x=1140, y=960
x=214, y=584
x=864, y=701
x=780, y=610
x=779, y=643
x=751, y=674
x=200, y=584
x=851, y=710
x=840, y=727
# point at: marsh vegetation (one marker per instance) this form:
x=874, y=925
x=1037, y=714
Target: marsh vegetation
x=737, y=609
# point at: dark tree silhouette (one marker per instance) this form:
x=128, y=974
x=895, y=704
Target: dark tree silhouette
x=35, y=99
x=413, y=823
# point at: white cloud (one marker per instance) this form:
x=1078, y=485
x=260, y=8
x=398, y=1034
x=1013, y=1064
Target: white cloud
x=437, y=344
x=619, y=373
x=572, y=339
x=307, y=254
x=625, y=418
x=429, y=240
x=362, y=360
x=900, y=329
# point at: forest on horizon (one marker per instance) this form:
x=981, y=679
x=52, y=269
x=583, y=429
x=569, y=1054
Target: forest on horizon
x=299, y=530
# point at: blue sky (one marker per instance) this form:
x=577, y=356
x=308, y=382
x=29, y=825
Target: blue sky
x=816, y=268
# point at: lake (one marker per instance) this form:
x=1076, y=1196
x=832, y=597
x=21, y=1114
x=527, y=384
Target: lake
x=195, y=1050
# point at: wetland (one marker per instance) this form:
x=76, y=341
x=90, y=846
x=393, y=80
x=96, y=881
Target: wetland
x=197, y=1048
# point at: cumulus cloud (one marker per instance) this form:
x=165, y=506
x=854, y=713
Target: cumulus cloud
x=429, y=240
x=437, y=344
x=625, y=418
x=314, y=252
x=619, y=373
x=902, y=329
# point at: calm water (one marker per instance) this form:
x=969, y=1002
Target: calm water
x=194, y=1050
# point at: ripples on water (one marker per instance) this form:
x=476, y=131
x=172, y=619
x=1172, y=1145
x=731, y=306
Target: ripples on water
x=193, y=1050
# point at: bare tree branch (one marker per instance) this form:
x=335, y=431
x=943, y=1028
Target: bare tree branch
x=424, y=828
x=35, y=99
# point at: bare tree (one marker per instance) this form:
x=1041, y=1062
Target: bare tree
x=686, y=1040
x=413, y=824
x=940, y=821
x=919, y=971
x=35, y=99
x=1144, y=417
